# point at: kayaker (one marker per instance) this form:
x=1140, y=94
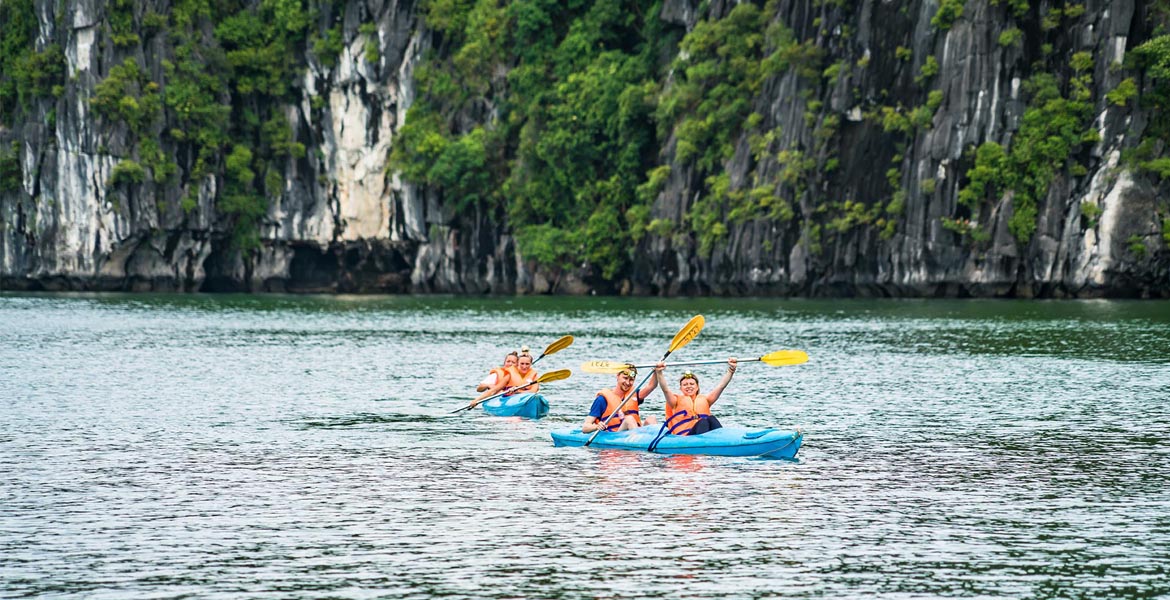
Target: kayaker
x=518, y=375
x=689, y=412
x=497, y=373
x=522, y=374
x=607, y=401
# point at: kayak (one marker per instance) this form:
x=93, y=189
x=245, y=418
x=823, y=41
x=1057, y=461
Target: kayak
x=725, y=441
x=529, y=406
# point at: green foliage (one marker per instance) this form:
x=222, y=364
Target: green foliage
x=949, y=11
x=990, y=162
x=929, y=69
x=899, y=120
x=897, y=203
x=1051, y=19
x=460, y=170
x=655, y=180
x=1137, y=246
x=927, y=186
x=372, y=53
x=1051, y=129
x=903, y=54
x=1018, y=7
x=1091, y=212
x=127, y=171
x=17, y=37
x=966, y=228
x=329, y=47
x=934, y=100
x=1123, y=93
x=706, y=214
x=153, y=22
x=571, y=159
x=277, y=136
x=446, y=16
x=1158, y=166
x=549, y=245
x=1154, y=57
x=833, y=73
x=853, y=214
x=664, y=227
x=260, y=45
x=718, y=72
x=193, y=96
x=1081, y=61
x=239, y=202
x=1012, y=36
x=1166, y=231
x=122, y=29
x=127, y=96
x=25, y=73
x=161, y=167
x=11, y=174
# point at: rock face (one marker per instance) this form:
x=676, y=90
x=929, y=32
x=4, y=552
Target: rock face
x=342, y=223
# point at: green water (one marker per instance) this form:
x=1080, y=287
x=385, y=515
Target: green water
x=302, y=447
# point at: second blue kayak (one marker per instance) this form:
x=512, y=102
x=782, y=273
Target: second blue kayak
x=529, y=406
x=726, y=441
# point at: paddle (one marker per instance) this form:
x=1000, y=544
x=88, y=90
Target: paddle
x=779, y=358
x=682, y=338
x=555, y=347
x=547, y=377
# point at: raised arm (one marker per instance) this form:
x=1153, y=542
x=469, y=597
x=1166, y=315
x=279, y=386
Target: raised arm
x=714, y=394
x=644, y=393
x=660, y=379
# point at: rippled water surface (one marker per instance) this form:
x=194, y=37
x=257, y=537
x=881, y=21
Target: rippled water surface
x=300, y=447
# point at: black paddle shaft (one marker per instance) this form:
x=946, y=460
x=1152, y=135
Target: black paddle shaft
x=601, y=423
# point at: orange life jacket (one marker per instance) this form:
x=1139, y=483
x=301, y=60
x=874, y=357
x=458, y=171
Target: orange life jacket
x=515, y=379
x=688, y=409
x=613, y=399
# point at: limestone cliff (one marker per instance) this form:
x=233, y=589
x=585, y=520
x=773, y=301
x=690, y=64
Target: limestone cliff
x=76, y=214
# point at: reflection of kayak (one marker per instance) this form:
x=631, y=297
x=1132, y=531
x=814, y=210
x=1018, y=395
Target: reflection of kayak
x=726, y=441
x=531, y=406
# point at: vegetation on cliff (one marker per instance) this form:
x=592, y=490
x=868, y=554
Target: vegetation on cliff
x=565, y=120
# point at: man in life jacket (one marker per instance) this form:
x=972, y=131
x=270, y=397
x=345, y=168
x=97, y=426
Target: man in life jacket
x=519, y=375
x=689, y=412
x=605, y=405
x=497, y=374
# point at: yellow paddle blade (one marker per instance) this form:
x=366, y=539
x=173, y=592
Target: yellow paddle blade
x=558, y=345
x=554, y=376
x=604, y=367
x=687, y=333
x=782, y=358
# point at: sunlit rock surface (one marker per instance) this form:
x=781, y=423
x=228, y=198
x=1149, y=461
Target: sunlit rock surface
x=344, y=222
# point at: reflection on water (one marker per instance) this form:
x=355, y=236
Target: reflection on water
x=302, y=447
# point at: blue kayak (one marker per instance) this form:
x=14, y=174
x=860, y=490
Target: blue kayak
x=726, y=441
x=529, y=406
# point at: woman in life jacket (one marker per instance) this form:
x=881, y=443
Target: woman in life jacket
x=496, y=374
x=606, y=403
x=519, y=375
x=689, y=412
x=522, y=374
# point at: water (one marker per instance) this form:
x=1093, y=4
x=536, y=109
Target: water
x=301, y=447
